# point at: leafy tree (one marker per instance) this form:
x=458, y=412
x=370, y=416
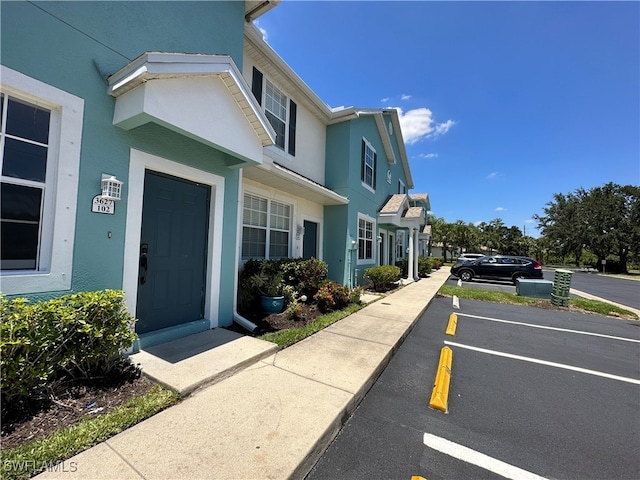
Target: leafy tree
x=604, y=220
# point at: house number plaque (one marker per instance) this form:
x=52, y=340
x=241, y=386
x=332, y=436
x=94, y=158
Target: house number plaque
x=102, y=205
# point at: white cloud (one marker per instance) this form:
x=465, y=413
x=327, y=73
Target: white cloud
x=493, y=175
x=428, y=155
x=405, y=97
x=384, y=100
x=262, y=30
x=443, y=128
x=500, y=209
x=418, y=124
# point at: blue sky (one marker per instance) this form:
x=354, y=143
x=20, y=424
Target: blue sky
x=502, y=104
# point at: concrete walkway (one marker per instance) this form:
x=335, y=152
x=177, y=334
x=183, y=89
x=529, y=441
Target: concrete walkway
x=270, y=417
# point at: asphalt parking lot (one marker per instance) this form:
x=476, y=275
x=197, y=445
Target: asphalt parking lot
x=534, y=393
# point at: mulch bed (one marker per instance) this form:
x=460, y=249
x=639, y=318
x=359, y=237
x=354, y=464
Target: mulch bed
x=278, y=321
x=67, y=402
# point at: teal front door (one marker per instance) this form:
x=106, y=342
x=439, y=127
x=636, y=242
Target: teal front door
x=310, y=240
x=173, y=252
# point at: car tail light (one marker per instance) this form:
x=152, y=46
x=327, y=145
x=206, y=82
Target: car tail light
x=537, y=265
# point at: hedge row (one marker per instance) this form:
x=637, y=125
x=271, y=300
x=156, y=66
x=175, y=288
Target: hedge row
x=80, y=334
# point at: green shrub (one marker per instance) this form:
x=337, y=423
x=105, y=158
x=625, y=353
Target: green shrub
x=293, y=310
x=355, y=294
x=332, y=296
x=425, y=267
x=26, y=349
x=299, y=277
x=81, y=334
x=97, y=329
x=306, y=275
x=436, y=262
x=403, y=265
x=382, y=277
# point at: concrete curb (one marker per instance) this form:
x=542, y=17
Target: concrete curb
x=440, y=395
x=327, y=438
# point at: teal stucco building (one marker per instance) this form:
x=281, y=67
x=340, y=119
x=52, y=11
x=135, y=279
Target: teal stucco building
x=216, y=152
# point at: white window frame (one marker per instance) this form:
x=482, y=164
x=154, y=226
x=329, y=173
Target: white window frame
x=369, y=147
x=268, y=228
x=61, y=185
x=282, y=101
x=400, y=244
x=372, y=221
x=402, y=188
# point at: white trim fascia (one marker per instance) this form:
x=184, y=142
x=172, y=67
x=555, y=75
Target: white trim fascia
x=139, y=163
x=386, y=139
x=294, y=184
x=163, y=65
x=343, y=114
x=255, y=40
x=298, y=179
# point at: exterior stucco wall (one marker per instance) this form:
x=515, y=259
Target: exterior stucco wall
x=77, y=46
x=301, y=210
x=309, y=158
x=344, y=142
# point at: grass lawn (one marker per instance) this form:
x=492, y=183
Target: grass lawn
x=593, y=306
x=286, y=338
x=30, y=459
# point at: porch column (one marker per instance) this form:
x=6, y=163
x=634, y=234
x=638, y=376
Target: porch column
x=410, y=266
x=416, y=255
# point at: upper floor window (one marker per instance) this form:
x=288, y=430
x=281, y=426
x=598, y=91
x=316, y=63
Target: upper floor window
x=368, y=165
x=266, y=226
x=401, y=187
x=40, y=138
x=275, y=106
x=279, y=110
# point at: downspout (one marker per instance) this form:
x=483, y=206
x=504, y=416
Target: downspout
x=239, y=319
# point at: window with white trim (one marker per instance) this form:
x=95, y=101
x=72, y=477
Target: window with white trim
x=39, y=126
x=24, y=131
x=400, y=251
x=275, y=107
x=401, y=187
x=266, y=227
x=365, y=239
x=368, y=165
x=279, y=110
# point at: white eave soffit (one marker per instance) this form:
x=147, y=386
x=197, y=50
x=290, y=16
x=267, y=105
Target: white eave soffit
x=159, y=65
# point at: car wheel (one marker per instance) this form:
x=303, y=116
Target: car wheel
x=515, y=278
x=465, y=275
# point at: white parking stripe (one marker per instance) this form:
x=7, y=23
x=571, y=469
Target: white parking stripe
x=476, y=458
x=544, y=327
x=544, y=362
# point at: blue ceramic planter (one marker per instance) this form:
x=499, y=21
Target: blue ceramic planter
x=272, y=304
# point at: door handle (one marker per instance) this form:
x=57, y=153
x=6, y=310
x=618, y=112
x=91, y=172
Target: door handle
x=144, y=264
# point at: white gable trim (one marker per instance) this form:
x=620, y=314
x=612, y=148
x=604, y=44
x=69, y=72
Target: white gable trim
x=203, y=97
